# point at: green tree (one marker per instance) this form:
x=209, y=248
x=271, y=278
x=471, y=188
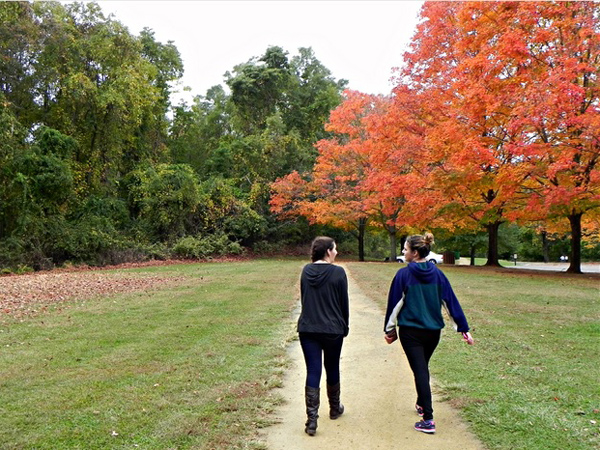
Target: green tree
x=37, y=196
x=313, y=95
x=199, y=133
x=266, y=128
x=107, y=93
x=466, y=242
x=70, y=68
x=286, y=103
x=164, y=198
x=12, y=136
x=152, y=135
x=258, y=89
x=20, y=44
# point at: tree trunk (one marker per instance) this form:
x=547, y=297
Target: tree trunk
x=575, y=221
x=545, y=246
x=393, y=242
x=492, y=256
x=472, y=255
x=362, y=225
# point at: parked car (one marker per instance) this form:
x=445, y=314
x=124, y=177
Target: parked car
x=435, y=258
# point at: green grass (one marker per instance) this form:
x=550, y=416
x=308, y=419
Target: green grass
x=193, y=366
x=531, y=380
x=187, y=367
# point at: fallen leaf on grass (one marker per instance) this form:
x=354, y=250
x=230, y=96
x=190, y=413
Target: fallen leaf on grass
x=29, y=295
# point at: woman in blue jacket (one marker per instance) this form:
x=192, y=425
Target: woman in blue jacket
x=417, y=295
x=322, y=326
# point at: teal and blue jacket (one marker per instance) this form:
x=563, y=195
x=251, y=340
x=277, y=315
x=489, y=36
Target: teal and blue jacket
x=417, y=295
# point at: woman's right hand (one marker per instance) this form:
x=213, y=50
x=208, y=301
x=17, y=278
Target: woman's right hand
x=391, y=336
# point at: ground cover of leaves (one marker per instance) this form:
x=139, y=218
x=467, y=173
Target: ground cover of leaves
x=34, y=293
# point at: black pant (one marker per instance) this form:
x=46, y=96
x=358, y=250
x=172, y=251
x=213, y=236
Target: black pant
x=419, y=345
x=321, y=349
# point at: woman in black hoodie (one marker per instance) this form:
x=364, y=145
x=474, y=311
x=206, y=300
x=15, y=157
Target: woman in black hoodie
x=322, y=326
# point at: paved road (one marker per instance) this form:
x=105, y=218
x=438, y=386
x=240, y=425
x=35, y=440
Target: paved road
x=558, y=267
x=553, y=267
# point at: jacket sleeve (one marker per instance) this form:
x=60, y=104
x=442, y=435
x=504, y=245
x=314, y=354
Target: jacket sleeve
x=452, y=306
x=395, y=302
x=345, y=301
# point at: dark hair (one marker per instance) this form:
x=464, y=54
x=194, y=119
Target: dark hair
x=422, y=244
x=319, y=247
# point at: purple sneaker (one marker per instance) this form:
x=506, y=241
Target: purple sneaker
x=426, y=426
x=419, y=410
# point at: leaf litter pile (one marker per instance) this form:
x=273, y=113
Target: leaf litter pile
x=28, y=295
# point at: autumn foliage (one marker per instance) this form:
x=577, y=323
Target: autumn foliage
x=494, y=119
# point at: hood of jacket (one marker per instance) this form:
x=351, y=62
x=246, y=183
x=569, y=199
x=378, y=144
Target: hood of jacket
x=425, y=273
x=317, y=274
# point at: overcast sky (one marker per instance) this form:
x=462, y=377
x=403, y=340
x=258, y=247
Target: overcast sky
x=360, y=41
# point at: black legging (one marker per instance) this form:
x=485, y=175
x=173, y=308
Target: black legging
x=419, y=345
x=321, y=349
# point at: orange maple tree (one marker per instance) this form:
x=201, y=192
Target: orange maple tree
x=471, y=165
x=332, y=193
x=382, y=137
x=361, y=174
x=515, y=86
x=400, y=196
x=556, y=48
x=495, y=118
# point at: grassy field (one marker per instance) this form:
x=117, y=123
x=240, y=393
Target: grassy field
x=185, y=367
x=193, y=366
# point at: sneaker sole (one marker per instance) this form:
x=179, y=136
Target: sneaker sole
x=425, y=431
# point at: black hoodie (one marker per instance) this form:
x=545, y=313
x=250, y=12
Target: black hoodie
x=324, y=297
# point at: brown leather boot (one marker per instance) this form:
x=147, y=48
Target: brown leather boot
x=336, y=409
x=312, y=399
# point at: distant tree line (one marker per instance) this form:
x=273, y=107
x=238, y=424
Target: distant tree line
x=97, y=166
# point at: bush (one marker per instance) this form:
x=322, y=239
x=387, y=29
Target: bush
x=265, y=247
x=11, y=253
x=191, y=247
x=164, y=197
x=187, y=247
x=244, y=223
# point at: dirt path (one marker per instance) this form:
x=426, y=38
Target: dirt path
x=377, y=391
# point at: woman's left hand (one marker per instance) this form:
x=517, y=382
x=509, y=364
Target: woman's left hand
x=468, y=338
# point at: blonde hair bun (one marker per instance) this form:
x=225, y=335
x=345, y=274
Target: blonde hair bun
x=428, y=238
